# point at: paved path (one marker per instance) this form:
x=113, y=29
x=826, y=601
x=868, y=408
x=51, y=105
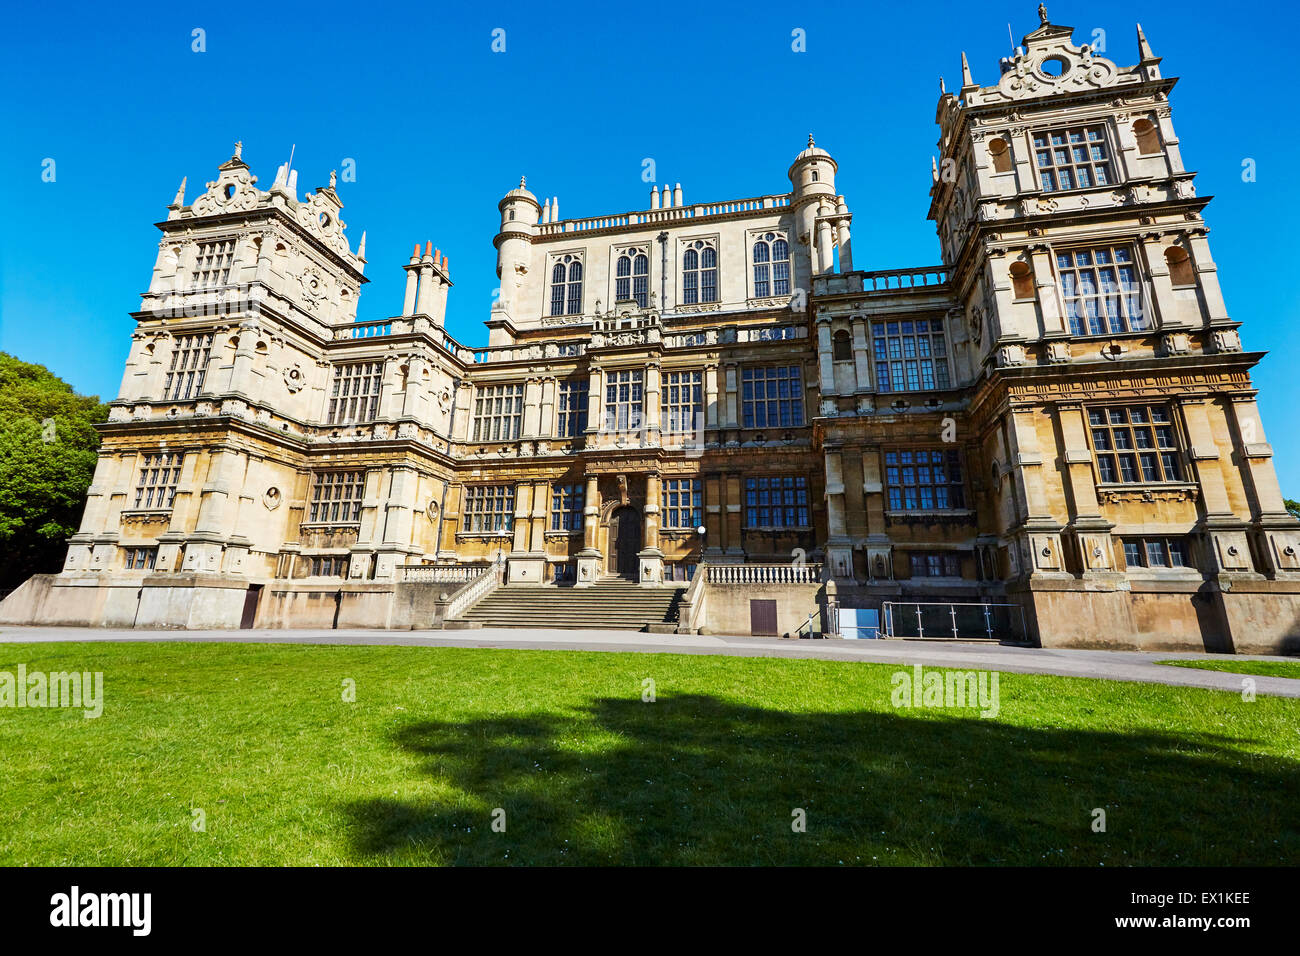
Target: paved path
x=1111, y=665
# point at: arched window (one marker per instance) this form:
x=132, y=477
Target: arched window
x=632, y=276
x=699, y=274
x=842, y=346
x=771, y=266
x=566, y=286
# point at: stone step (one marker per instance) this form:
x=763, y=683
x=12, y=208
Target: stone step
x=610, y=603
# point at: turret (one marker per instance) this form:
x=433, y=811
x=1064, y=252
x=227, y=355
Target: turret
x=812, y=181
x=520, y=213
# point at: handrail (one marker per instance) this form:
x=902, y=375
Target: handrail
x=691, y=608
x=474, y=591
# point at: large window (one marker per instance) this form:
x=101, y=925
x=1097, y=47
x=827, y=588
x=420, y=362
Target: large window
x=699, y=273
x=159, y=474
x=1155, y=552
x=566, y=286
x=336, y=497
x=489, y=509
x=771, y=266
x=573, y=408
x=212, y=264
x=934, y=564
x=910, y=356
x=355, y=395
x=624, y=400
x=1134, y=443
x=567, y=502
x=1101, y=290
x=632, y=276
x=141, y=559
x=329, y=566
x=683, y=503
x=188, y=367
x=1072, y=159
x=682, y=402
x=498, y=410
x=772, y=396
x=921, y=480
x=776, y=502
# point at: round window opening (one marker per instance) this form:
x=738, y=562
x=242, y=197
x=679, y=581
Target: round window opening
x=230, y=190
x=1053, y=66
x=324, y=220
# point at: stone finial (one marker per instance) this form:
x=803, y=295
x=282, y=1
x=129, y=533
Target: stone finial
x=239, y=149
x=1144, y=49
x=943, y=90
x=811, y=144
x=334, y=178
x=966, y=78
x=523, y=182
x=361, y=249
x=1042, y=14
x=180, y=193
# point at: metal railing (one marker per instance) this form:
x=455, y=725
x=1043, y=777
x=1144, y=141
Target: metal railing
x=953, y=620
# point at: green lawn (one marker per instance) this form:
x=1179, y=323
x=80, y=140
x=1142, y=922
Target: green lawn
x=287, y=772
x=1261, y=668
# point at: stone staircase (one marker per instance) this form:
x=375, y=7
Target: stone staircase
x=609, y=603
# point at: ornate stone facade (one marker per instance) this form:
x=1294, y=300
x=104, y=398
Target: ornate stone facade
x=1060, y=416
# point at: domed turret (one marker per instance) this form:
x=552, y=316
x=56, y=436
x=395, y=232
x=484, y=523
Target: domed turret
x=520, y=214
x=812, y=181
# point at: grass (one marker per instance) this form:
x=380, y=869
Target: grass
x=288, y=773
x=1259, y=668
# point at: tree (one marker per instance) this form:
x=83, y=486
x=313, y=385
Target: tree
x=48, y=451
x=1292, y=506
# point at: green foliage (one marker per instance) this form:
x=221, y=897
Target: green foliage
x=48, y=449
x=1292, y=506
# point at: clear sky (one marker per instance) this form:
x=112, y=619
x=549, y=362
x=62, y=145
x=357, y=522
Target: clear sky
x=439, y=126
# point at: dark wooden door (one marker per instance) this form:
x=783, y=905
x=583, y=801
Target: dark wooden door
x=625, y=533
x=250, y=606
x=762, y=617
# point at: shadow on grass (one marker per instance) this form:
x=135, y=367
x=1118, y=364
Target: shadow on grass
x=699, y=780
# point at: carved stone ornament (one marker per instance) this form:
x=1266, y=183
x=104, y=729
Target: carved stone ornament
x=294, y=379
x=271, y=498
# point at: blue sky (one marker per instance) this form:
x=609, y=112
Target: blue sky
x=440, y=126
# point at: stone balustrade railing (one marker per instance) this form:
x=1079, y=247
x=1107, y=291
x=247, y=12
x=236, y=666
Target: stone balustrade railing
x=743, y=574
x=488, y=580
x=669, y=214
x=441, y=573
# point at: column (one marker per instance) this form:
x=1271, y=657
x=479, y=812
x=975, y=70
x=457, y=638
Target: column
x=825, y=354
x=596, y=401
x=711, y=397
x=424, y=304
x=531, y=425
x=839, y=546
x=734, y=509
x=1207, y=274
x=713, y=495
x=861, y=354
x=653, y=409
x=1225, y=531
x=1049, y=303
x=1040, y=530
x=1168, y=313
x=650, y=558
x=395, y=536
x=589, y=557
x=731, y=413
x=1091, y=531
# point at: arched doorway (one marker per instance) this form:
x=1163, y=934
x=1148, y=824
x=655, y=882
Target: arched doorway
x=624, y=542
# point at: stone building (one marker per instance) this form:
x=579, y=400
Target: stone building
x=1056, y=421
